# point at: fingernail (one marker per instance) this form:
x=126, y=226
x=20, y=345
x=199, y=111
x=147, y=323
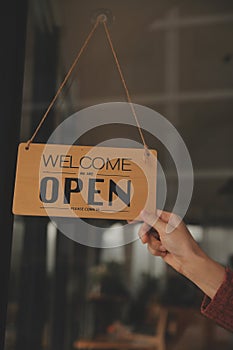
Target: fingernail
x=141, y=240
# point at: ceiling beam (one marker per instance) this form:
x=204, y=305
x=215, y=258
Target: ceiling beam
x=186, y=22
x=146, y=99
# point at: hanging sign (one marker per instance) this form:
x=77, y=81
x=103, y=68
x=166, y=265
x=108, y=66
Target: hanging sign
x=83, y=181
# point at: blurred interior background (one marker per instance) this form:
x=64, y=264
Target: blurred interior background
x=177, y=58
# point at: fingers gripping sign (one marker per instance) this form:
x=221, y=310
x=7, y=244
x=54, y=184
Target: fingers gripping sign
x=175, y=244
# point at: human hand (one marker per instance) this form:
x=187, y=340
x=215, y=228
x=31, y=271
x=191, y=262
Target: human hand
x=177, y=247
x=175, y=244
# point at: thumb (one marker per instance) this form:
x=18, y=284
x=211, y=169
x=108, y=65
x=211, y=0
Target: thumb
x=154, y=221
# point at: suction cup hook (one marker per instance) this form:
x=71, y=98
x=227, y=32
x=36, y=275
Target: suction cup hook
x=103, y=16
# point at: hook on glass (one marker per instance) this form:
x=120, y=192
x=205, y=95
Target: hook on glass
x=102, y=15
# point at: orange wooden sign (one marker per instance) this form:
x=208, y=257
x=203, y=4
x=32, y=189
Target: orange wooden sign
x=83, y=181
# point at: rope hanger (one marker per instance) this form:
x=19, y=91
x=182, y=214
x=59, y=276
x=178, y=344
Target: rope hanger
x=103, y=20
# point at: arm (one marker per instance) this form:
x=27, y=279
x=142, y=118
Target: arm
x=180, y=250
x=177, y=248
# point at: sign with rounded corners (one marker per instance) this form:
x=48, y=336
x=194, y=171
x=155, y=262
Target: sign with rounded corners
x=84, y=181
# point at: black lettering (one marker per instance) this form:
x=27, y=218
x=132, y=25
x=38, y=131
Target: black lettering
x=92, y=191
x=68, y=188
x=63, y=160
x=95, y=160
x=50, y=159
x=71, y=163
x=124, y=196
x=44, y=189
x=83, y=159
x=114, y=165
x=124, y=164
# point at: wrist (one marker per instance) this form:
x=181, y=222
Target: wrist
x=206, y=273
